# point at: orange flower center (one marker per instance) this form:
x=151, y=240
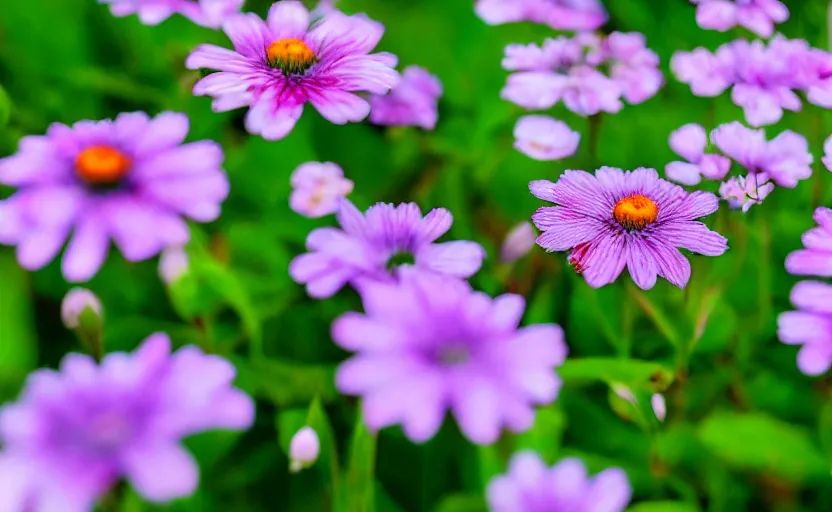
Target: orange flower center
x=635, y=212
x=291, y=55
x=101, y=165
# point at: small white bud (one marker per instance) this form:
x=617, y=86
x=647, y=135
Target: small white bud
x=303, y=449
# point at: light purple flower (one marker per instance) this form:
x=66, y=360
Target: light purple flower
x=304, y=449
x=758, y=16
x=529, y=486
x=558, y=14
x=518, y=242
x=545, y=138
x=318, y=188
x=827, y=156
x=809, y=326
x=75, y=432
x=130, y=180
x=376, y=244
x=633, y=66
x=173, y=264
x=429, y=344
x=75, y=302
x=614, y=219
x=690, y=142
x=659, y=405
x=816, y=257
x=413, y=102
x=208, y=13
x=743, y=192
x=322, y=8
x=279, y=65
x=706, y=73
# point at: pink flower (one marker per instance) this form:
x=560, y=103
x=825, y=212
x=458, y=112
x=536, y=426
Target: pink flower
x=744, y=192
x=758, y=16
x=318, y=189
x=545, y=138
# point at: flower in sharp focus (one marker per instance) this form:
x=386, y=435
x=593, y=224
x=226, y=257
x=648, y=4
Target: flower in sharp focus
x=530, y=486
x=318, y=189
x=130, y=180
x=429, y=344
x=518, y=242
x=75, y=302
x=614, y=219
x=545, y=138
x=743, y=192
x=279, y=65
x=376, y=244
x=558, y=14
x=758, y=16
x=815, y=259
x=77, y=431
x=208, y=13
x=810, y=326
x=690, y=142
x=413, y=102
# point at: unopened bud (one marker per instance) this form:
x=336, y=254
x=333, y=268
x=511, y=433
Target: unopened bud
x=518, y=242
x=303, y=449
x=659, y=406
x=173, y=263
x=75, y=303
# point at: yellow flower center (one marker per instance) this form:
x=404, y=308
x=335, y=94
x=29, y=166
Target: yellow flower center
x=291, y=55
x=635, y=212
x=101, y=165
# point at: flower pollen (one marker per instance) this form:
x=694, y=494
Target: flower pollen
x=292, y=56
x=635, y=212
x=102, y=165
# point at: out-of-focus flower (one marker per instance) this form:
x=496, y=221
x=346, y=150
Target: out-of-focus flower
x=827, y=156
x=815, y=259
x=304, y=449
x=376, y=244
x=614, y=219
x=743, y=192
x=708, y=74
x=758, y=16
x=633, y=66
x=429, y=344
x=558, y=14
x=657, y=402
x=75, y=432
x=529, y=486
x=810, y=326
x=208, y=13
x=322, y=8
x=74, y=303
x=413, y=102
x=279, y=65
x=518, y=242
x=545, y=138
x=173, y=263
x=318, y=189
x=624, y=393
x=690, y=142
x=130, y=180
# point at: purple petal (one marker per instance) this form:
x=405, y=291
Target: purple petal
x=534, y=90
x=689, y=142
x=693, y=236
x=810, y=262
x=718, y=15
x=815, y=358
x=288, y=19
x=36, y=249
x=564, y=228
x=458, y=258
x=339, y=107
x=714, y=167
x=87, y=249
x=684, y=173
x=609, y=491
x=641, y=263
x=249, y=35
x=162, y=472
x=672, y=265
x=355, y=332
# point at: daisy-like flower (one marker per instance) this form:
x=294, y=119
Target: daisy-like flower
x=318, y=188
x=690, y=142
x=811, y=325
x=279, y=65
x=208, y=13
x=815, y=259
x=413, y=102
x=614, y=219
x=130, y=180
x=558, y=14
x=758, y=16
x=529, y=486
x=545, y=138
x=429, y=344
x=77, y=431
x=374, y=245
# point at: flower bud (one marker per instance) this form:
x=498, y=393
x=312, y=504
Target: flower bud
x=75, y=303
x=518, y=242
x=303, y=449
x=173, y=263
x=659, y=406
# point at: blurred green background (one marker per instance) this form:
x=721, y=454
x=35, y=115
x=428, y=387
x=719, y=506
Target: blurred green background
x=745, y=430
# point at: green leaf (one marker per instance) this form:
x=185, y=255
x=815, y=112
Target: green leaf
x=663, y=506
x=462, y=503
x=759, y=443
x=5, y=107
x=545, y=435
x=490, y=462
x=288, y=422
x=641, y=375
x=18, y=347
x=287, y=384
x=327, y=463
x=358, y=487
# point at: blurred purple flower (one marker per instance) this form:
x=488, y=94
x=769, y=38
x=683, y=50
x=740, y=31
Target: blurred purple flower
x=130, y=180
x=280, y=64
x=376, y=244
x=706, y=73
x=816, y=257
x=322, y=8
x=558, y=14
x=413, y=102
x=758, y=16
x=173, y=264
x=529, y=486
x=75, y=433
x=659, y=405
x=827, y=153
x=615, y=219
x=75, y=302
x=304, y=449
x=208, y=13
x=429, y=344
x=633, y=66
x=518, y=242
x=744, y=192
x=689, y=142
x=545, y=138
x=810, y=326
x=318, y=189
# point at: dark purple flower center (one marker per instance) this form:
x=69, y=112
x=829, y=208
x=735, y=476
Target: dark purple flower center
x=453, y=354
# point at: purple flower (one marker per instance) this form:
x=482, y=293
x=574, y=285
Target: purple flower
x=744, y=192
x=374, y=245
x=173, y=264
x=827, y=153
x=558, y=14
x=75, y=302
x=690, y=142
x=784, y=159
x=130, y=180
x=707, y=74
x=633, y=66
x=318, y=189
x=518, y=242
x=758, y=16
x=413, y=102
x=545, y=138
x=76, y=432
x=429, y=344
x=816, y=257
x=615, y=219
x=529, y=486
x=208, y=13
x=280, y=64
x=809, y=326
